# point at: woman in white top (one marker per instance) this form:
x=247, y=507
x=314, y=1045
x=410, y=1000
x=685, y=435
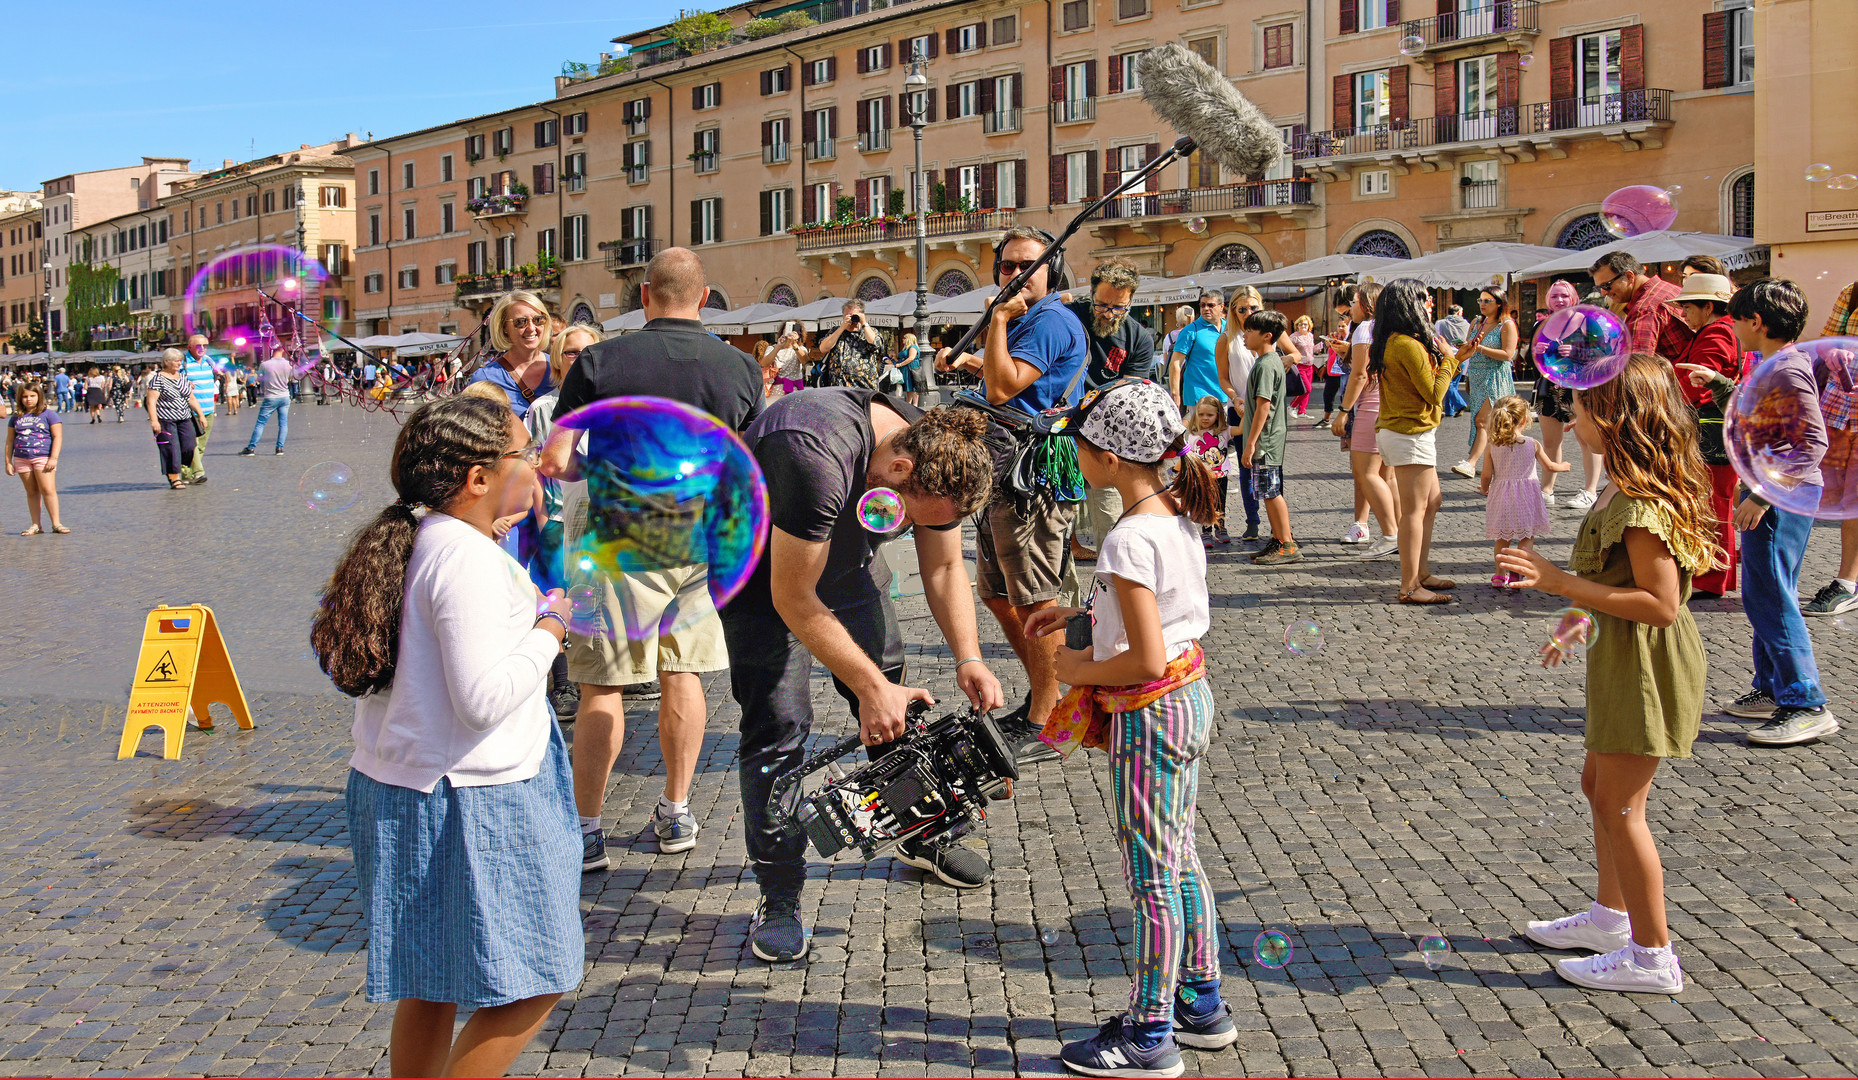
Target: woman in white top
x=787, y=356
x=460, y=805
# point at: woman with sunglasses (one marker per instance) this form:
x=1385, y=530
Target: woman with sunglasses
x=1488, y=378
x=520, y=329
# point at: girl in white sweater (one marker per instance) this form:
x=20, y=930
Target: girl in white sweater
x=460, y=803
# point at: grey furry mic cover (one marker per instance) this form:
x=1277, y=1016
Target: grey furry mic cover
x=1198, y=102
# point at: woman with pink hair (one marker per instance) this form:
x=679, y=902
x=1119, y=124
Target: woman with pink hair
x=1552, y=405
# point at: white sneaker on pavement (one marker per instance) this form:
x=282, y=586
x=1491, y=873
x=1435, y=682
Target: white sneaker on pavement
x=1356, y=534
x=1575, y=931
x=1580, y=500
x=1548, y=498
x=1380, y=549
x=1465, y=468
x=1620, y=970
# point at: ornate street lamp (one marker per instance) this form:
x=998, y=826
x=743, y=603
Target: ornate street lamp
x=916, y=85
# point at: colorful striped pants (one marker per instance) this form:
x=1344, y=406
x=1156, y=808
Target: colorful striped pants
x=1155, y=771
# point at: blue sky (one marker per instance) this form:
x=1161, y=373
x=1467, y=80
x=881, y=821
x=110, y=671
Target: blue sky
x=207, y=79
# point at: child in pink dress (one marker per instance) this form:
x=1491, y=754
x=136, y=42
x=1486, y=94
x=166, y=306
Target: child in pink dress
x=1207, y=439
x=1514, y=511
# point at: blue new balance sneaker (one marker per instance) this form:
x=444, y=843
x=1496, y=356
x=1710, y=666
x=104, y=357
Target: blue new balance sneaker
x=1212, y=1029
x=1113, y=1052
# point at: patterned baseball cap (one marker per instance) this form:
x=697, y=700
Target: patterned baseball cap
x=1131, y=418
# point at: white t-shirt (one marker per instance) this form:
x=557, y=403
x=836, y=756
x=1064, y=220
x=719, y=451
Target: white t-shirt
x=1239, y=361
x=1363, y=333
x=1370, y=398
x=1136, y=550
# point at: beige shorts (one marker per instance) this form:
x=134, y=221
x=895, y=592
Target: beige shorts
x=1025, y=560
x=657, y=620
x=1398, y=449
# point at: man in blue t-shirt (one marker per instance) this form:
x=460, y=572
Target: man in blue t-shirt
x=1195, y=365
x=61, y=385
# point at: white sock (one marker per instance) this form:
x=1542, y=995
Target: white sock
x=590, y=824
x=1608, y=920
x=1660, y=957
x=669, y=809
x=1850, y=585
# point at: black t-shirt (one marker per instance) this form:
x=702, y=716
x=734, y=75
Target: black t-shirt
x=670, y=358
x=1130, y=351
x=815, y=448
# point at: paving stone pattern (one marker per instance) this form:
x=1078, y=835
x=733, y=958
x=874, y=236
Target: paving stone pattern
x=1416, y=776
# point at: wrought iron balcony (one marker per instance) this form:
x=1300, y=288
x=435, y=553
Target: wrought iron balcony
x=491, y=206
x=1479, y=194
x=477, y=288
x=1543, y=122
x=776, y=153
x=874, y=142
x=1252, y=195
x=901, y=230
x=1076, y=110
x=1000, y=120
x=822, y=150
x=622, y=254
x=1494, y=20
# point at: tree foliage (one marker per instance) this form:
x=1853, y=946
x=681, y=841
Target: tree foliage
x=779, y=24
x=92, y=301
x=701, y=31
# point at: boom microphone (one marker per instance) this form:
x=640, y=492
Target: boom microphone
x=1198, y=102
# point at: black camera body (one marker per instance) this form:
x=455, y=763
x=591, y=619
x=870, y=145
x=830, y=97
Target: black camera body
x=1077, y=631
x=934, y=781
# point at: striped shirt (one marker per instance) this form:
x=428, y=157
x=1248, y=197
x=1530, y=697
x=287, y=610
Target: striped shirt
x=206, y=384
x=172, y=402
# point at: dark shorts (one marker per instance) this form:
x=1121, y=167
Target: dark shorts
x=1553, y=402
x=1268, y=481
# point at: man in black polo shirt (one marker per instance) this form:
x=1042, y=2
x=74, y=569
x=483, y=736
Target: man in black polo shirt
x=673, y=357
x=1119, y=347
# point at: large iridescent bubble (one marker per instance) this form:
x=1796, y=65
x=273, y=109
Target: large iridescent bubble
x=1779, y=429
x=223, y=298
x=1581, y=347
x=1639, y=209
x=668, y=487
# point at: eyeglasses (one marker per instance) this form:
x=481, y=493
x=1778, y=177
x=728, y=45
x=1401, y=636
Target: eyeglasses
x=530, y=455
x=1012, y=267
x=1607, y=285
x=523, y=322
x=1109, y=309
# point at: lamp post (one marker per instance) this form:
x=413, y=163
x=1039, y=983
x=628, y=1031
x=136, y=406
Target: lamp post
x=915, y=83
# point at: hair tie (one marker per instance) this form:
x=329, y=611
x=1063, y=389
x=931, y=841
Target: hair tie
x=404, y=505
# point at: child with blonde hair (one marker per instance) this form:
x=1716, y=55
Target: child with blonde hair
x=1207, y=439
x=1515, y=511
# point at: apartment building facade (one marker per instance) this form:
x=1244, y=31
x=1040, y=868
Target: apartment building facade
x=302, y=199
x=79, y=199
x=22, y=283
x=786, y=160
x=135, y=245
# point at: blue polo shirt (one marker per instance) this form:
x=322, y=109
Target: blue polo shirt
x=206, y=384
x=1049, y=338
x=1198, y=341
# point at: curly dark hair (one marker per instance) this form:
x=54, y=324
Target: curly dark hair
x=356, y=632
x=949, y=448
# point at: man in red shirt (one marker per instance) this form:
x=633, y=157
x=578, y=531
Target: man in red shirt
x=1703, y=306
x=1643, y=303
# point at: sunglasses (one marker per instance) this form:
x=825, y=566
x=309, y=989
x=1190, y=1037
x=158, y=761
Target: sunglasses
x=523, y=322
x=1607, y=285
x=1012, y=267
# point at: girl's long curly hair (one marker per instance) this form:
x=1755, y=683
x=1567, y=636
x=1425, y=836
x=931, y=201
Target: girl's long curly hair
x=1650, y=441
x=356, y=632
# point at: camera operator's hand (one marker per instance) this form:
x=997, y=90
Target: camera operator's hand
x=981, y=686
x=883, y=713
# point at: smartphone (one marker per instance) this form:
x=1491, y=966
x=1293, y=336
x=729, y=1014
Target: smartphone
x=1077, y=631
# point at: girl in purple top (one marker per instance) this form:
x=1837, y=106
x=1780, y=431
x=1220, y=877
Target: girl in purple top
x=34, y=436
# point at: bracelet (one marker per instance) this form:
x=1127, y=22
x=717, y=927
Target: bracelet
x=967, y=660
x=554, y=616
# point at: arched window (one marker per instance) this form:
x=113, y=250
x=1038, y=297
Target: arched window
x=1380, y=242
x=717, y=300
x=1742, y=206
x=873, y=288
x=582, y=314
x=952, y=283
x=783, y=295
x=1235, y=257
x=1584, y=232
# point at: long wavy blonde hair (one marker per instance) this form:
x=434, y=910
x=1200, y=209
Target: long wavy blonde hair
x=1650, y=443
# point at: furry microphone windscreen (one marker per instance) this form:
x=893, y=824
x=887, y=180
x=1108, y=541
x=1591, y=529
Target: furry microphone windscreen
x=1198, y=102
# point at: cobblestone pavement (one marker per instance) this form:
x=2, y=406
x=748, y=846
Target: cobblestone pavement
x=1417, y=775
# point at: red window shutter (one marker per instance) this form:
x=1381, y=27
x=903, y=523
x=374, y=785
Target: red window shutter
x=929, y=97
x=1111, y=178
x=1150, y=153
x=882, y=105
x=645, y=108
x=886, y=57
x=1561, y=68
x=1020, y=176
x=1715, y=49
x=1090, y=174
x=1090, y=78
x=648, y=223
x=864, y=118
x=767, y=133
x=1056, y=175
x=1351, y=21
x=903, y=51
x=696, y=220
x=903, y=109
x=1393, y=12
x=863, y=205
x=832, y=68
x=1342, y=113
x=832, y=123
x=1509, y=80
x=986, y=96
x=767, y=83
x=1397, y=111
x=767, y=213
x=929, y=40
x=806, y=74
x=989, y=193
x=696, y=102
x=719, y=217
x=1116, y=75
x=864, y=61
x=807, y=126
x=953, y=45
x=953, y=93
x=1019, y=95
x=1445, y=88
x=1632, y=57
x=980, y=34
x=951, y=185
x=1057, y=85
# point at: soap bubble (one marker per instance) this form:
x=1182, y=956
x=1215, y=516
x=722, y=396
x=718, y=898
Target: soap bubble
x=1843, y=182
x=1573, y=631
x=329, y=486
x=1435, y=949
x=880, y=510
x=1638, y=209
x=583, y=600
x=1196, y=225
x=1818, y=173
x=1412, y=45
x=1272, y=949
x=1775, y=429
x=1049, y=936
x=1594, y=341
x=668, y=486
x=1524, y=61
x=222, y=299
x=1303, y=638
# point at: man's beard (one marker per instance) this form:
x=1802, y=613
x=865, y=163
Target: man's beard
x=1105, y=325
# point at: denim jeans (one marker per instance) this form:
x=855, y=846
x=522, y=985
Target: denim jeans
x=1250, y=495
x=769, y=672
x=280, y=406
x=1771, y=552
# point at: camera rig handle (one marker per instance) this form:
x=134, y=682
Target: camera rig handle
x=825, y=757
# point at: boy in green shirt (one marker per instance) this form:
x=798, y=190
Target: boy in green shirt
x=1266, y=430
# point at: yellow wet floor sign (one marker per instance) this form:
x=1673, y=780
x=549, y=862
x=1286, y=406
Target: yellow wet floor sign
x=183, y=664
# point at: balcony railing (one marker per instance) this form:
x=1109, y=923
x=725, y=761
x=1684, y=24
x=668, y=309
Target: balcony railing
x=1479, y=194
x=872, y=142
x=637, y=174
x=1076, y=110
x=822, y=150
x=1546, y=118
x=776, y=153
x=704, y=160
x=1252, y=195
x=901, y=230
x=621, y=254
x=1507, y=16
x=1000, y=120
x=573, y=182
x=470, y=287
x=638, y=127
x=489, y=206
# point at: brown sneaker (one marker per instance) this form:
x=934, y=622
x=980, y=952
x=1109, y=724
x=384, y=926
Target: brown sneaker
x=1278, y=552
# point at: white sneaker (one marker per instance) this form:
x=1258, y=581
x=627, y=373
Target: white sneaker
x=1465, y=468
x=1575, y=932
x=1548, y=498
x=1356, y=534
x=1580, y=500
x=1381, y=548
x=1618, y=970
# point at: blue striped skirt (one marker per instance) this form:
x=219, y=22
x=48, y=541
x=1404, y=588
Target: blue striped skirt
x=472, y=893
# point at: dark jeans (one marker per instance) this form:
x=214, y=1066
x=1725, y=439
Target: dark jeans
x=1250, y=495
x=1332, y=388
x=175, y=444
x=769, y=671
x=1771, y=552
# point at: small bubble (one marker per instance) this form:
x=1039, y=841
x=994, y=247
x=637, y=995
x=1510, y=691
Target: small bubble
x=1818, y=172
x=1435, y=949
x=1303, y=638
x=1049, y=936
x=1272, y=949
x=880, y=510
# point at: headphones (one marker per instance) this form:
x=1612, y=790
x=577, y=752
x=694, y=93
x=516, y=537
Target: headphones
x=1056, y=280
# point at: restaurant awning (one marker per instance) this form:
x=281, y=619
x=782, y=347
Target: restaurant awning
x=1736, y=252
x=1469, y=267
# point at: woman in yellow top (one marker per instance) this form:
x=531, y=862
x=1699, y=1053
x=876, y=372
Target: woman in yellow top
x=1414, y=374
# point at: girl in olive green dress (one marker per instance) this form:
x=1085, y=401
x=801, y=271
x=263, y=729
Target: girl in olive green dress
x=1648, y=533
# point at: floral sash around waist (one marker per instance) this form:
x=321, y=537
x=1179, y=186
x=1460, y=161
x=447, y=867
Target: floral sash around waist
x=1082, y=716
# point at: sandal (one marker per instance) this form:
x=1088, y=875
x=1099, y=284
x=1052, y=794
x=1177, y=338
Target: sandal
x=177, y=485
x=1435, y=598
x=33, y=531
x=61, y=529
x=1438, y=584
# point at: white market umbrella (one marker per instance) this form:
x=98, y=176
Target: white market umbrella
x=963, y=307
x=1736, y=252
x=745, y=320
x=1327, y=268
x=1469, y=267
